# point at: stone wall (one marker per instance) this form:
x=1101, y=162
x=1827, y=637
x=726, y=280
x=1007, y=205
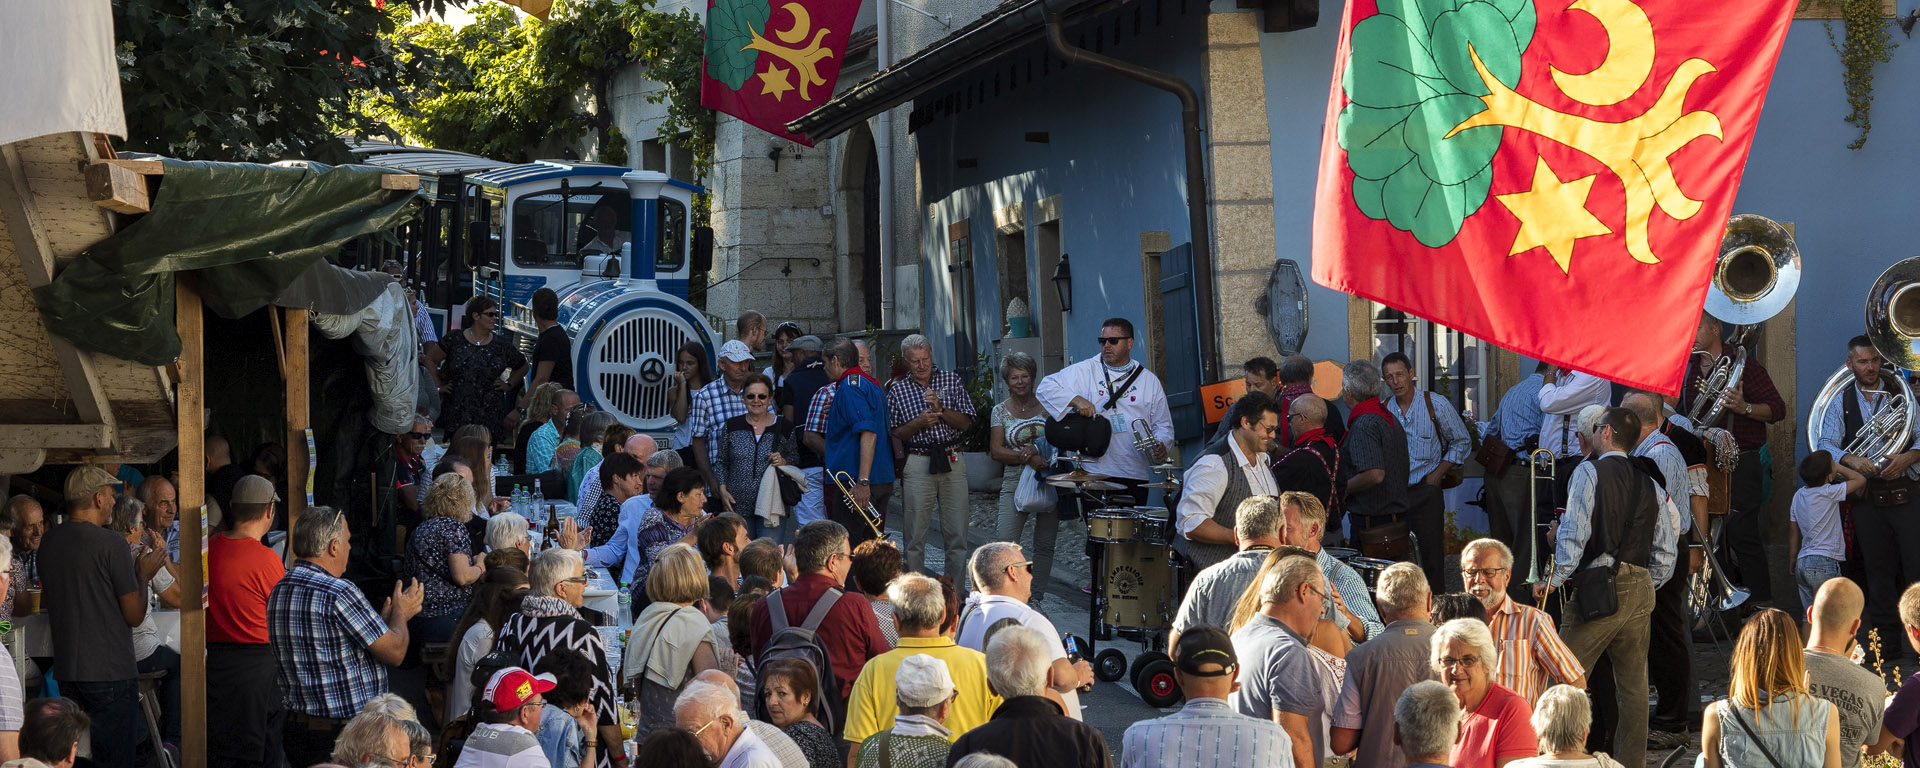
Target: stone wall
x=1241, y=162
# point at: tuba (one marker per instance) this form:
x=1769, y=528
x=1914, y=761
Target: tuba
x=1893, y=325
x=1754, y=277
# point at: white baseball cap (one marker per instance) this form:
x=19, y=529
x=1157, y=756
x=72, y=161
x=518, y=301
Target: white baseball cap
x=922, y=681
x=736, y=351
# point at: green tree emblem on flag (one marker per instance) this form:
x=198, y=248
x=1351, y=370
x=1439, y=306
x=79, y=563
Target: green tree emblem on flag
x=730, y=29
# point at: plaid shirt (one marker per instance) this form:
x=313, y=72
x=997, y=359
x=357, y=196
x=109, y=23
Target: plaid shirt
x=817, y=410
x=320, y=627
x=713, y=404
x=906, y=400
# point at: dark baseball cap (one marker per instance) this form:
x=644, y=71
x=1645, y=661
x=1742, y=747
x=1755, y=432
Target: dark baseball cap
x=1206, y=645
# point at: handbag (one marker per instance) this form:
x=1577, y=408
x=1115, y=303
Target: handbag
x=1032, y=496
x=790, y=490
x=1593, y=593
x=1494, y=455
x=1390, y=540
x=1089, y=435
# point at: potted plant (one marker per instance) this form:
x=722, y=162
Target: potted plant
x=983, y=473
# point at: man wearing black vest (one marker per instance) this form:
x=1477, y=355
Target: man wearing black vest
x=1312, y=464
x=1613, y=511
x=1886, y=519
x=1227, y=472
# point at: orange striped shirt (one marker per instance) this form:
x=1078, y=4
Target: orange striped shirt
x=1532, y=657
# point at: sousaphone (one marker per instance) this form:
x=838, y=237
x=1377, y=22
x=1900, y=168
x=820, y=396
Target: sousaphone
x=1893, y=325
x=1754, y=278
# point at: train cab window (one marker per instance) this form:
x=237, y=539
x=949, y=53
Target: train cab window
x=673, y=236
x=552, y=230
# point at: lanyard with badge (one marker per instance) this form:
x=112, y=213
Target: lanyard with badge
x=1120, y=425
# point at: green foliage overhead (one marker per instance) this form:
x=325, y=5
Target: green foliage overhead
x=1410, y=81
x=495, y=94
x=259, y=80
x=1868, y=43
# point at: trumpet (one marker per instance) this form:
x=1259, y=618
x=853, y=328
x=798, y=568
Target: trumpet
x=1144, y=441
x=844, y=481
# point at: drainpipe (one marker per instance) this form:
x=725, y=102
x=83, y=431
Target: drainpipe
x=883, y=153
x=1196, y=173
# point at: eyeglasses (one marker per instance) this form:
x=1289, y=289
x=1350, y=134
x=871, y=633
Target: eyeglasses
x=1464, y=662
x=419, y=435
x=1027, y=564
x=495, y=313
x=696, y=731
x=1106, y=340
x=575, y=580
x=752, y=396
x=1480, y=573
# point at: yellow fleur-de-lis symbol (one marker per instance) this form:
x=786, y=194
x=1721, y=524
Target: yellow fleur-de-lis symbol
x=805, y=61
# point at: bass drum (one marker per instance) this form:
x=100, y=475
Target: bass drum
x=1140, y=586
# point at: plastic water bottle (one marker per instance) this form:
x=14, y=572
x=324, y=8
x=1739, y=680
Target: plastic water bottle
x=539, y=496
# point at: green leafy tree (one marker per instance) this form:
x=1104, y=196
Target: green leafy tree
x=1410, y=81
x=669, y=46
x=495, y=94
x=260, y=80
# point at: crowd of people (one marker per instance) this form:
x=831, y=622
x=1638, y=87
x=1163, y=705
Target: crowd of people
x=766, y=619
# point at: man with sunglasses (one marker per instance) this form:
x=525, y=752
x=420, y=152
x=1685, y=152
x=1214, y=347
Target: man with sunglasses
x=1116, y=388
x=1004, y=577
x=1614, y=521
x=505, y=737
x=410, y=466
x=1206, y=733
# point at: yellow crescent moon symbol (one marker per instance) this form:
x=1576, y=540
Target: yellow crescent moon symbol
x=802, y=22
x=1629, y=55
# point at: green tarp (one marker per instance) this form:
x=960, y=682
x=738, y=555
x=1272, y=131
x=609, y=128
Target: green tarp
x=245, y=231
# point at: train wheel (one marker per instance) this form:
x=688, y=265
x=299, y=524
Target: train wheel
x=1110, y=665
x=1157, y=685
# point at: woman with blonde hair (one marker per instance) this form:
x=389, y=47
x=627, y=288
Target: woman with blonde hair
x=539, y=434
x=672, y=639
x=440, y=555
x=1769, y=717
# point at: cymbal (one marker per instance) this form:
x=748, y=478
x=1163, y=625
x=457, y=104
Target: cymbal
x=1167, y=467
x=1086, y=485
x=1080, y=475
x=1164, y=485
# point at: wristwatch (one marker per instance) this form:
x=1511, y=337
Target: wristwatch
x=862, y=481
x=1749, y=409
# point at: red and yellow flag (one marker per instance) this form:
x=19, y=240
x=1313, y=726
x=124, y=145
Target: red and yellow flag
x=1553, y=178
x=770, y=62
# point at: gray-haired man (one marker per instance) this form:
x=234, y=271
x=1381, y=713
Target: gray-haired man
x=927, y=412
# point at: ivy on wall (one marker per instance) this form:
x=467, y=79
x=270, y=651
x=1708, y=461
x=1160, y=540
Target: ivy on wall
x=1866, y=44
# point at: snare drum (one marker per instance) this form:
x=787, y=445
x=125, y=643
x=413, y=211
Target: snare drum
x=1369, y=568
x=1155, y=525
x=1112, y=526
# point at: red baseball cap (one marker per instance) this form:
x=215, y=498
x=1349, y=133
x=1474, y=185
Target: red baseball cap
x=511, y=688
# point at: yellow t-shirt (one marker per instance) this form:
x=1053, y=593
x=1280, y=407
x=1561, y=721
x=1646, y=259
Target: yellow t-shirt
x=871, y=707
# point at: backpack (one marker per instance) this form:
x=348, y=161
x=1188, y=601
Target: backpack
x=803, y=643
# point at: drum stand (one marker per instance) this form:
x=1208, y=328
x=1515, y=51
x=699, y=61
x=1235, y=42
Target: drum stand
x=1151, y=671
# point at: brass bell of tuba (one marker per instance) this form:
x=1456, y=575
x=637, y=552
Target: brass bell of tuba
x=1754, y=277
x=1893, y=325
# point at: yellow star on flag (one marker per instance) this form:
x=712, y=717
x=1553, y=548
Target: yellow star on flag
x=1553, y=214
x=774, y=81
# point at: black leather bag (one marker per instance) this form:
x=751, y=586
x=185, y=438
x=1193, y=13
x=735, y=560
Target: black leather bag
x=1087, y=435
x=1593, y=593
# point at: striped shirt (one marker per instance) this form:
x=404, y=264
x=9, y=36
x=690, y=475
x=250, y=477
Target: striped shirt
x=1532, y=657
x=1206, y=733
x=1353, y=591
x=817, y=410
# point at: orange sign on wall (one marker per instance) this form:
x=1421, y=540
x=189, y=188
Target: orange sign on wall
x=1218, y=397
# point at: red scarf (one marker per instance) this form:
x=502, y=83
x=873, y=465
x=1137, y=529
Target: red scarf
x=857, y=371
x=1371, y=405
x=1316, y=434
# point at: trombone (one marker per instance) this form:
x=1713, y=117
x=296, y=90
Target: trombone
x=844, y=480
x=1534, y=462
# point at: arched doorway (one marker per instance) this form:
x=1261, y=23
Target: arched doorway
x=860, y=198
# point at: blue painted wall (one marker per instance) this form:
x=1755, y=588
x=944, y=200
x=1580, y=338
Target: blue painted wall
x=1114, y=157
x=1854, y=211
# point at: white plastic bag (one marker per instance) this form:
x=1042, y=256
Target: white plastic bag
x=1033, y=496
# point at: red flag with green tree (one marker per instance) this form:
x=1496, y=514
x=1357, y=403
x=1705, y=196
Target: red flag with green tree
x=1553, y=178
x=769, y=65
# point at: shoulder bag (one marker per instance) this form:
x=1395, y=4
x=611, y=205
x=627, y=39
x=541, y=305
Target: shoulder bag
x=1494, y=455
x=1757, y=743
x=1457, y=474
x=1593, y=593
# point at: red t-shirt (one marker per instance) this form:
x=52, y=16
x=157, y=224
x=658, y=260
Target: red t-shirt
x=241, y=573
x=1501, y=727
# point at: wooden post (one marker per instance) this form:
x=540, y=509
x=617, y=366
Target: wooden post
x=189, y=398
x=297, y=417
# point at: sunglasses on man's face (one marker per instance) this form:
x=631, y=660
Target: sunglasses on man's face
x=1110, y=340
x=495, y=313
x=419, y=435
